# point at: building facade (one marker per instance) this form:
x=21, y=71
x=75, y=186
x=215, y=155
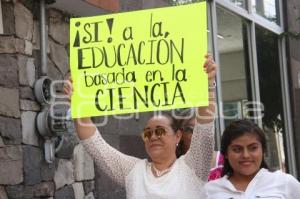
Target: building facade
x=256, y=44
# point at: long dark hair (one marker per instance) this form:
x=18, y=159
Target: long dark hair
x=237, y=129
x=183, y=117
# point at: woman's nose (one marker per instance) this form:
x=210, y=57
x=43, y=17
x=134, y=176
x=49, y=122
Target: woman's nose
x=154, y=137
x=245, y=153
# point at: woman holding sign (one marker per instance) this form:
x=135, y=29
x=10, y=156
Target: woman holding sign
x=164, y=176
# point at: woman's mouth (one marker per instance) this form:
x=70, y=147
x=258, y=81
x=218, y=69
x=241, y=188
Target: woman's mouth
x=246, y=163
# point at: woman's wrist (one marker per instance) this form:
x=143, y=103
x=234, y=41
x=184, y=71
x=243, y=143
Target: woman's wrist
x=212, y=86
x=211, y=96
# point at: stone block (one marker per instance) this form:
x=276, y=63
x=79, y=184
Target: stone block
x=10, y=130
x=59, y=56
x=78, y=190
x=52, y=71
x=66, y=151
x=26, y=71
x=292, y=15
x=29, y=132
x=89, y=196
x=36, y=36
x=11, y=165
x=44, y=189
x=32, y=158
x=8, y=71
x=23, y=21
x=64, y=174
x=9, y=102
x=147, y=4
x=28, y=48
x=83, y=164
x=106, y=187
x=130, y=5
x=28, y=105
x=66, y=192
x=47, y=171
x=55, y=15
x=19, y=192
x=36, y=54
x=22, y=63
x=55, y=74
x=1, y=142
x=8, y=18
x=26, y=93
x=294, y=46
x=58, y=27
x=9, y=45
x=30, y=5
x=295, y=73
x=88, y=186
x=3, y=194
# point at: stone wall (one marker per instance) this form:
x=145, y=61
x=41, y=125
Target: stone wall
x=24, y=174
x=292, y=8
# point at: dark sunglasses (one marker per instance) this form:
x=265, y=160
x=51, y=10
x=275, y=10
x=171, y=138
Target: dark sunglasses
x=188, y=129
x=159, y=132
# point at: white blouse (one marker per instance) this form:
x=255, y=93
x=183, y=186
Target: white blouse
x=184, y=180
x=265, y=185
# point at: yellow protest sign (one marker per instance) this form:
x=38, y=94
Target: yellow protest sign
x=139, y=61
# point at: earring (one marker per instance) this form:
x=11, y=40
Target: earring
x=177, y=145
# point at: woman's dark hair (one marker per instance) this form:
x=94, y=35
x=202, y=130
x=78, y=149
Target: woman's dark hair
x=183, y=117
x=175, y=125
x=235, y=130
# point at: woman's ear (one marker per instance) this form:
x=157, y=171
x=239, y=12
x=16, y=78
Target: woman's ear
x=178, y=135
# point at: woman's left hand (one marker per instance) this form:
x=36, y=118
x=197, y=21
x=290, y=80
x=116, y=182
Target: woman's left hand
x=210, y=68
x=206, y=114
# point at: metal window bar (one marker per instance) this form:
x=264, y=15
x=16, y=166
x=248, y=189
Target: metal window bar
x=254, y=71
x=220, y=126
x=289, y=134
x=248, y=14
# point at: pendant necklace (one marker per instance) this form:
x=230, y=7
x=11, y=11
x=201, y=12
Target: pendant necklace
x=159, y=173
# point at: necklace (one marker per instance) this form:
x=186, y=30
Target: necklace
x=159, y=173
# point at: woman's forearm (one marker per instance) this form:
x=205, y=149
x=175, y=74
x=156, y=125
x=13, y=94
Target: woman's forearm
x=207, y=114
x=85, y=127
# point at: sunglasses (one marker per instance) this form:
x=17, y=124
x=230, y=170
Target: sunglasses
x=188, y=129
x=159, y=132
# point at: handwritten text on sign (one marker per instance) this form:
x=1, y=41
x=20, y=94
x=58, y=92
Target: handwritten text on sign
x=139, y=61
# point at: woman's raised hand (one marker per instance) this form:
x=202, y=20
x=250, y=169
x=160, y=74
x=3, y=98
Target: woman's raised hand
x=210, y=68
x=68, y=87
x=84, y=126
x=207, y=114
